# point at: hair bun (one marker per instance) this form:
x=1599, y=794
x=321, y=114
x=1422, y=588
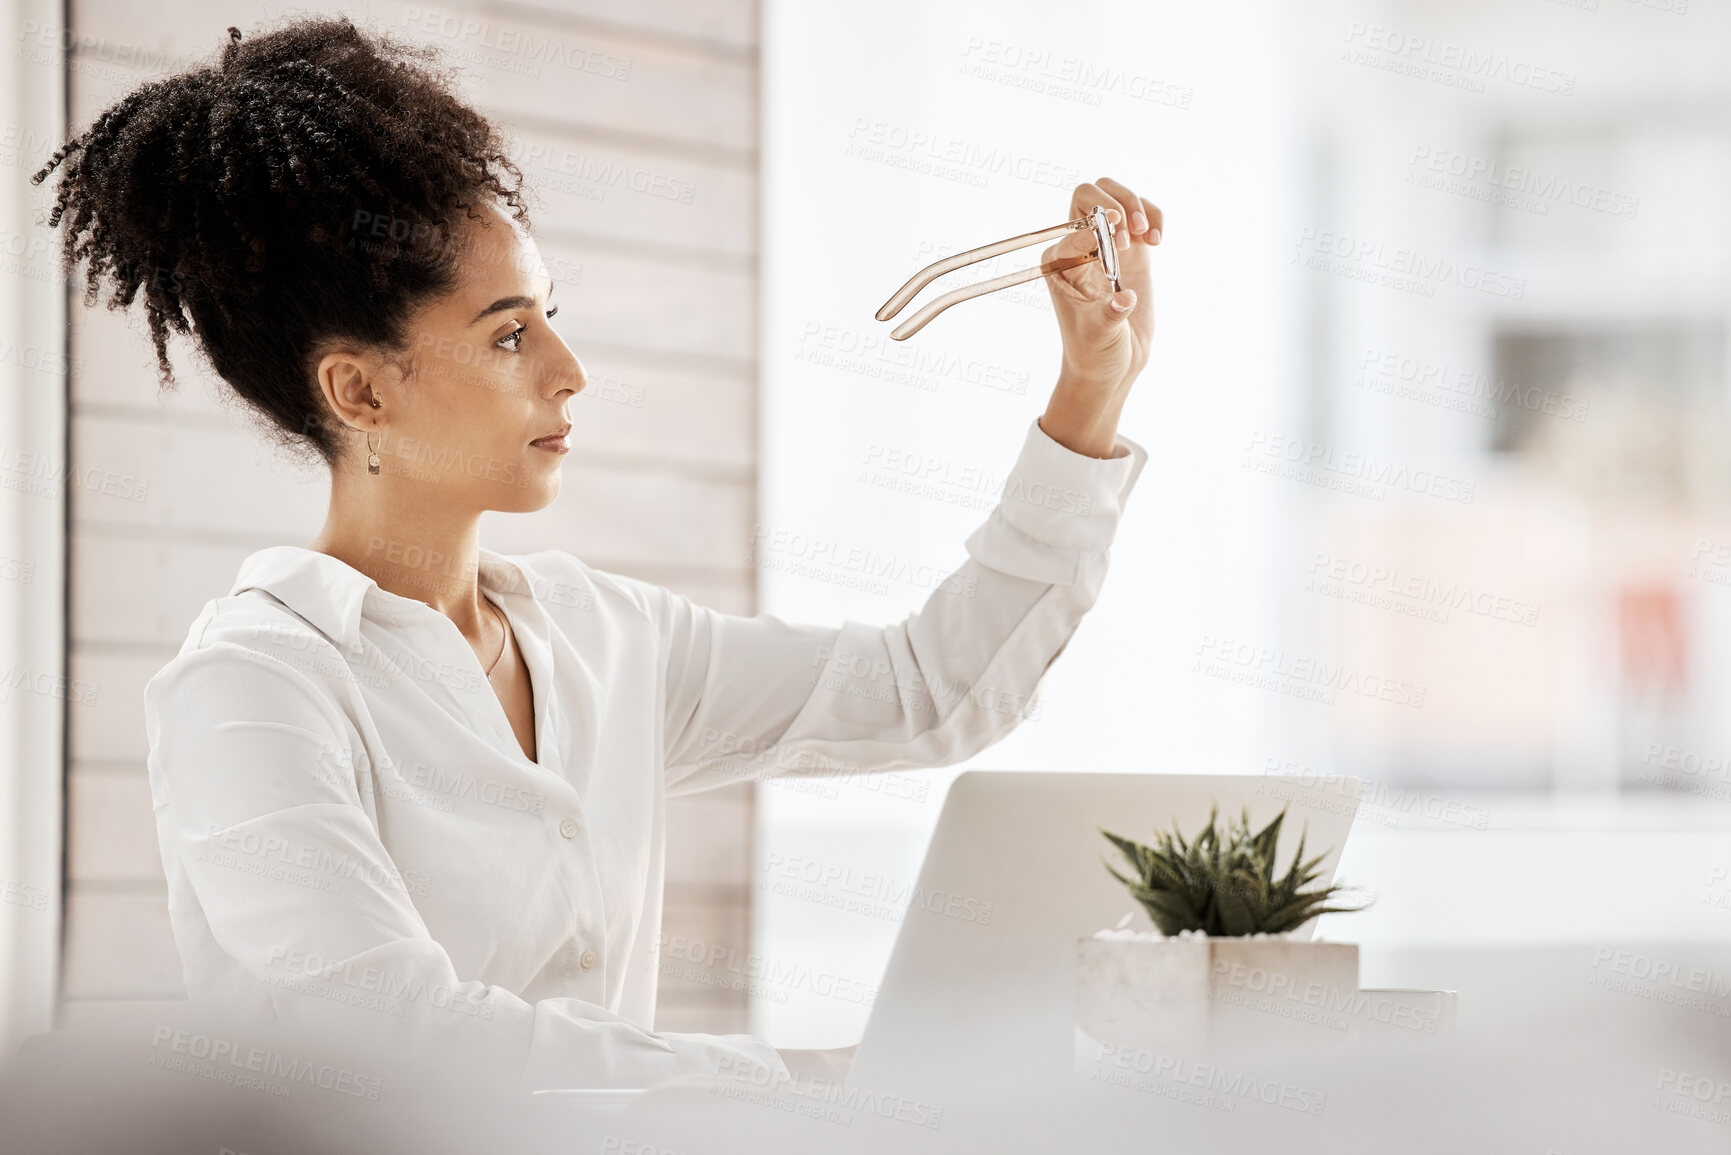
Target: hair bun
x=245, y=203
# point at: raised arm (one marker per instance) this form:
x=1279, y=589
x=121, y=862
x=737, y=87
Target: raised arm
x=754, y=697
x=761, y=697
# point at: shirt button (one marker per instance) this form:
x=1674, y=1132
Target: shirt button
x=568, y=828
x=587, y=959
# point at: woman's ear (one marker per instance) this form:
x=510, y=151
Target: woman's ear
x=347, y=379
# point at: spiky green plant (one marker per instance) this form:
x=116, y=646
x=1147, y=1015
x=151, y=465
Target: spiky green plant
x=1222, y=882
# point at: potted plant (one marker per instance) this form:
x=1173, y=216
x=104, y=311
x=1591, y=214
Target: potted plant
x=1224, y=967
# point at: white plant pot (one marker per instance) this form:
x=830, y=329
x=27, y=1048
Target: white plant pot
x=1190, y=996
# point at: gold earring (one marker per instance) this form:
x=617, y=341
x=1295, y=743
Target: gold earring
x=372, y=456
x=377, y=403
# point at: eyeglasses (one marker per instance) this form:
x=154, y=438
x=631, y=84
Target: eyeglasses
x=1106, y=249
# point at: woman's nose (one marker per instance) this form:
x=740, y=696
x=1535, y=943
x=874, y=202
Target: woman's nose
x=568, y=375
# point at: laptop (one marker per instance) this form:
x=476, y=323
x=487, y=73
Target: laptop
x=981, y=977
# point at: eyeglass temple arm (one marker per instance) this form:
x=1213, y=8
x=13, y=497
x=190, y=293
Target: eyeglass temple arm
x=956, y=296
x=938, y=268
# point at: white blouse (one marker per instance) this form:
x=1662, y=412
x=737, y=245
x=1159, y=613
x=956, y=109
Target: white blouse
x=354, y=838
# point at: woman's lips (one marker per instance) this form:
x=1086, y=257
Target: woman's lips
x=558, y=443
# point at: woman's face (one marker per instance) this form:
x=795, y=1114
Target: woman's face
x=479, y=420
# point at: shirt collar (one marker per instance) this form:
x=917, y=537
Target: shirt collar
x=329, y=592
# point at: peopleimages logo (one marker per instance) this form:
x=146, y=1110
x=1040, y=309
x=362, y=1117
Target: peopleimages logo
x=259, y=1061
x=1357, y=474
x=1282, y=993
x=42, y=476
x=1445, y=62
x=1392, y=588
x=276, y=856
x=865, y=892
x=1376, y=801
x=1037, y=69
x=774, y=973
x=1465, y=391
x=881, y=140
x=1223, y=1087
x=1660, y=979
x=1399, y=267
x=1693, y=1095
x=531, y=47
x=838, y=1100
x=49, y=685
x=1543, y=187
x=958, y=483
x=924, y=367
x=24, y=895
x=1311, y=678
x=800, y=553
x=1688, y=771
x=328, y=977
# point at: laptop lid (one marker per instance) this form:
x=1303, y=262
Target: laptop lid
x=983, y=968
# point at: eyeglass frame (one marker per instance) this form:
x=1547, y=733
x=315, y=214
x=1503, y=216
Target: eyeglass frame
x=1106, y=251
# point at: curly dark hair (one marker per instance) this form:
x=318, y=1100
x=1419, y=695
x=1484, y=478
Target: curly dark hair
x=306, y=187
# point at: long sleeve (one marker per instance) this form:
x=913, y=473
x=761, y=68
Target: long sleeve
x=275, y=863
x=761, y=697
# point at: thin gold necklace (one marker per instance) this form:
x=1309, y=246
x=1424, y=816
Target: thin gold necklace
x=505, y=626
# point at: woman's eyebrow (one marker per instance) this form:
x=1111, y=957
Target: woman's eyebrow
x=503, y=303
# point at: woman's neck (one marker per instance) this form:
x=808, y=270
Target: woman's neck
x=412, y=549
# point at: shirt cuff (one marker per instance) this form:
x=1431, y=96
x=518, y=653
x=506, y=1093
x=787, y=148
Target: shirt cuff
x=727, y=1056
x=1057, y=507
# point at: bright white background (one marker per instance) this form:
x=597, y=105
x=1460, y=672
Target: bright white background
x=1284, y=132
x=843, y=231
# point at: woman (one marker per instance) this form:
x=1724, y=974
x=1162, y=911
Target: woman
x=402, y=781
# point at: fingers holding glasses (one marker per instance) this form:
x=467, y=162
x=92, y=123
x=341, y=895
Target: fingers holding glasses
x=1092, y=193
x=1146, y=221
x=1083, y=200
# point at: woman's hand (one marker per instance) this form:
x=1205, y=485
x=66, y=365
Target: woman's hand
x=1106, y=335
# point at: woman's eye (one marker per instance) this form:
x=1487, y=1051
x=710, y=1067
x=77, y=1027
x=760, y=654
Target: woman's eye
x=514, y=338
